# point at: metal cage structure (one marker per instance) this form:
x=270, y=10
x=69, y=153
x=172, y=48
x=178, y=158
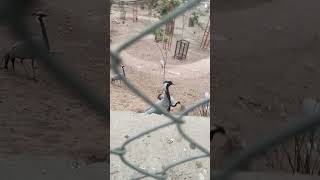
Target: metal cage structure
x=181, y=51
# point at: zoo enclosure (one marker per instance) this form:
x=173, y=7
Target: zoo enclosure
x=11, y=14
x=124, y=6
x=239, y=157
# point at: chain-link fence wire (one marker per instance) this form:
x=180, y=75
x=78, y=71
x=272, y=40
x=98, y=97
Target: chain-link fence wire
x=11, y=14
x=178, y=121
x=237, y=158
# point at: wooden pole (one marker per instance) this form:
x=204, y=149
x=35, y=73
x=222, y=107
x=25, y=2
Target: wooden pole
x=135, y=12
x=206, y=36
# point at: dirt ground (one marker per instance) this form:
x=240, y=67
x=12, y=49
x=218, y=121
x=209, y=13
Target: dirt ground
x=142, y=65
x=156, y=150
x=45, y=118
x=270, y=56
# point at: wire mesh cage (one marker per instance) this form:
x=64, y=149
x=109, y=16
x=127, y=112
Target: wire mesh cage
x=181, y=51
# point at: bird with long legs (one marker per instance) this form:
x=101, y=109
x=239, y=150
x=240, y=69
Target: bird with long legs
x=118, y=77
x=20, y=49
x=173, y=102
x=165, y=103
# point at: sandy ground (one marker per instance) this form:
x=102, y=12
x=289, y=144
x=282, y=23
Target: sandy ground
x=271, y=58
x=44, y=118
x=50, y=168
x=158, y=149
x=142, y=66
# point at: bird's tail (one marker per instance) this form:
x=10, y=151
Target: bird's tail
x=147, y=110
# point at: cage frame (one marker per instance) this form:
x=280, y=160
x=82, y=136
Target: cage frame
x=178, y=54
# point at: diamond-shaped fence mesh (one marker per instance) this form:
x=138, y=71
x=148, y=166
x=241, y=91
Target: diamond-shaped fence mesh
x=175, y=120
x=11, y=14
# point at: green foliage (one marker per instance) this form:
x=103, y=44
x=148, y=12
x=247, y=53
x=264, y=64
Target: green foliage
x=152, y=3
x=160, y=35
x=164, y=6
x=195, y=17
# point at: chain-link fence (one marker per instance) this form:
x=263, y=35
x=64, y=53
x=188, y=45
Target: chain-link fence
x=11, y=14
x=121, y=151
x=239, y=157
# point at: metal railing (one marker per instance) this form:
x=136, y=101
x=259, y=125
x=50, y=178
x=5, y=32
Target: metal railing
x=11, y=14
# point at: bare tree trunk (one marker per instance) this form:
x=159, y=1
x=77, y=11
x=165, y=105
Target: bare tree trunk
x=183, y=19
x=164, y=69
x=150, y=8
x=164, y=57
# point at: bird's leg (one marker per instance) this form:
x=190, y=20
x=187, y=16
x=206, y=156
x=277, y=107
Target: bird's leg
x=168, y=109
x=3, y=60
x=36, y=64
x=12, y=62
x=175, y=104
x=34, y=76
x=7, y=58
x=24, y=67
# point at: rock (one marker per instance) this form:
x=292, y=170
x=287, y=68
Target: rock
x=198, y=164
x=75, y=164
x=170, y=141
x=192, y=146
